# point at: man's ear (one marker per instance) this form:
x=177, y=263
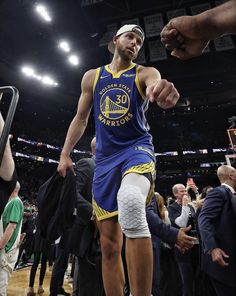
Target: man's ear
x=114, y=39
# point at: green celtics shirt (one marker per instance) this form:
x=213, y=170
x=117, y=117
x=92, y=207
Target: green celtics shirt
x=13, y=213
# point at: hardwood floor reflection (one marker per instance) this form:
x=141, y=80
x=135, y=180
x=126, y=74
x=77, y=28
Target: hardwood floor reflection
x=19, y=282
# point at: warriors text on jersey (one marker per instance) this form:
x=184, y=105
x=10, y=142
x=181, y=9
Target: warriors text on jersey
x=119, y=110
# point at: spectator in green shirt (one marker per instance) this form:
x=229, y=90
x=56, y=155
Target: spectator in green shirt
x=10, y=229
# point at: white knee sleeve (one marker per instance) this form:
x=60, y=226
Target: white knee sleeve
x=131, y=212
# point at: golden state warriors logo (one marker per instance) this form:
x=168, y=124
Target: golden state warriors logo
x=115, y=104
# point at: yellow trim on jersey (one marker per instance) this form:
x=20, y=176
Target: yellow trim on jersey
x=96, y=78
x=117, y=75
x=142, y=169
x=138, y=84
x=102, y=214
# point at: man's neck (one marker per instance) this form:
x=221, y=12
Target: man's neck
x=229, y=184
x=179, y=201
x=118, y=64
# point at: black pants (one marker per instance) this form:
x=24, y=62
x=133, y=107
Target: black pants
x=59, y=269
x=222, y=289
x=34, y=267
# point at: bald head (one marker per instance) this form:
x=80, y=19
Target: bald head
x=227, y=174
x=93, y=145
x=177, y=187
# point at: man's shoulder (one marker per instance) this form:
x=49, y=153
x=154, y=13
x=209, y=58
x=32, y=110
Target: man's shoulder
x=85, y=162
x=16, y=201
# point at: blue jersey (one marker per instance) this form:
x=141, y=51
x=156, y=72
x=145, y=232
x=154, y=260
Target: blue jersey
x=119, y=110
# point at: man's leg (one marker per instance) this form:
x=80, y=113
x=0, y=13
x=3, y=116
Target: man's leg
x=58, y=271
x=139, y=260
x=4, y=278
x=132, y=217
x=112, y=268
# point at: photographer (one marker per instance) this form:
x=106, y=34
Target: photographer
x=182, y=214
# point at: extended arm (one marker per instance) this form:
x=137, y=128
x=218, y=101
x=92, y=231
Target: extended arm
x=167, y=233
x=158, y=90
x=187, y=36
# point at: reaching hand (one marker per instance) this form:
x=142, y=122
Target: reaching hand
x=65, y=164
x=218, y=256
x=184, y=241
x=183, y=36
x=163, y=93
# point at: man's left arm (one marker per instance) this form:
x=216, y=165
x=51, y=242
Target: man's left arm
x=7, y=234
x=211, y=209
x=158, y=90
x=157, y=226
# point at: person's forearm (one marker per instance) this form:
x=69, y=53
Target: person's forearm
x=7, y=166
x=218, y=21
x=7, y=234
x=182, y=220
x=75, y=132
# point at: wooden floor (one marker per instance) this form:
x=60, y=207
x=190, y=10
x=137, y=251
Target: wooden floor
x=19, y=282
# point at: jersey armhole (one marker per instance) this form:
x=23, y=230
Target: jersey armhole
x=96, y=78
x=138, y=84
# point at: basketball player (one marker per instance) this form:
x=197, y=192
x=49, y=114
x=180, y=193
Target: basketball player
x=125, y=161
x=188, y=36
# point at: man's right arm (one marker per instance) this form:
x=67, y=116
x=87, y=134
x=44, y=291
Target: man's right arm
x=79, y=122
x=7, y=234
x=187, y=36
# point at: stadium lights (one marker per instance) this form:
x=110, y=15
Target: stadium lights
x=28, y=71
x=64, y=45
x=73, y=60
x=44, y=79
x=43, y=12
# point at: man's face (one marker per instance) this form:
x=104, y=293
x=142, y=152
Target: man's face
x=181, y=191
x=128, y=45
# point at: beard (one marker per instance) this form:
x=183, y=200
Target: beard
x=126, y=56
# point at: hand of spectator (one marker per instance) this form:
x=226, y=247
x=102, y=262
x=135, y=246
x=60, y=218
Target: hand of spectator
x=200, y=202
x=183, y=37
x=218, y=256
x=185, y=200
x=184, y=241
x=65, y=164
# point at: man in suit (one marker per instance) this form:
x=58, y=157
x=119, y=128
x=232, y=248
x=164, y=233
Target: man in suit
x=182, y=214
x=217, y=226
x=84, y=241
x=166, y=233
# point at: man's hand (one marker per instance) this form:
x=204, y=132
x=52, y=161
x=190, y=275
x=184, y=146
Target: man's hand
x=185, y=200
x=65, y=164
x=183, y=36
x=218, y=255
x=184, y=241
x=163, y=93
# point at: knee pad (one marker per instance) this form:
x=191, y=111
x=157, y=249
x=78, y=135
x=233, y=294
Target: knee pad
x=132, y=212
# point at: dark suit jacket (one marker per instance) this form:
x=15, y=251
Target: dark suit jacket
x=217, y=226
x=160, y=232
x=56, y=204
x=83, y=229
